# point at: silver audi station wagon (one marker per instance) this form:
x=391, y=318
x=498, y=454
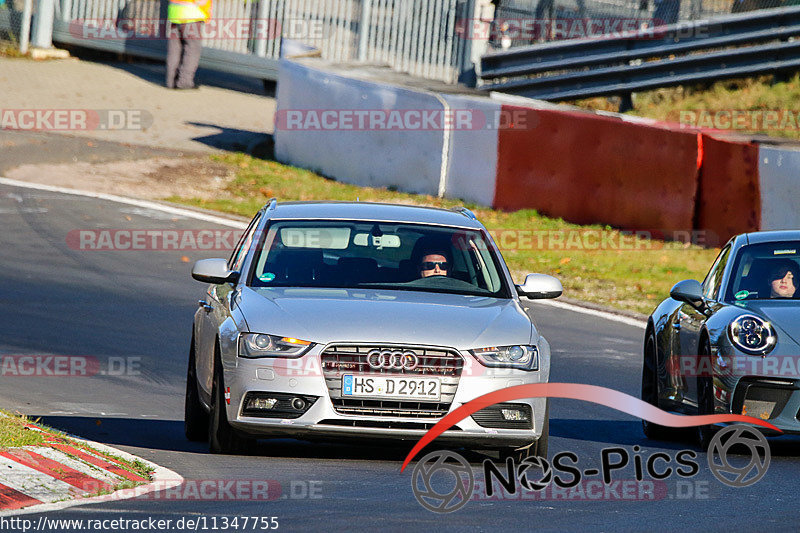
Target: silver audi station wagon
x=365, y=321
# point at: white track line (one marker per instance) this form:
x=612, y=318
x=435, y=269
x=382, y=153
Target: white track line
x=129, y=201
x=622, y=319
x=242, y=225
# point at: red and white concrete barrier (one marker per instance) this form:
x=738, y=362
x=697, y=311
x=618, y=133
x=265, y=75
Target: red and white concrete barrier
x=336, y=126
x=513, y=153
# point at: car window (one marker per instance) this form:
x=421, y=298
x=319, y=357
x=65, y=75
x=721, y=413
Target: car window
x=755, y=266
x=713, y=280
x=364, y=254
x=240, y=252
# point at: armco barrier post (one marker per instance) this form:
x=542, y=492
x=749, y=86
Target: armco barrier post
x=363, y=29
x=25, y=30
x=261, y=43
x=43, y=27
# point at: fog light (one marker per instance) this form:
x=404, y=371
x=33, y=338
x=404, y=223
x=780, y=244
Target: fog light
x=513, y=414
x=298, y=403
x=261, y=403
x=760, y=409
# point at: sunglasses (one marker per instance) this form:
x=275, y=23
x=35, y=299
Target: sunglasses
x=430, y=265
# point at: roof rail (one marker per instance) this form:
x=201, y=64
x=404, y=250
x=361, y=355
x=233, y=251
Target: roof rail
x=272, y=204
x=464, y=211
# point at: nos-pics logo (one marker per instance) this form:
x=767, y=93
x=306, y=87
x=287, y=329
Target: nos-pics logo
x=443, y=481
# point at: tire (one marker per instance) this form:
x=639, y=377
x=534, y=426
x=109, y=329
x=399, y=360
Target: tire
x=222, y=438
x=536, y=449
x=195, y=417
x=541, y=443
x=650, y=388
x=705, y=401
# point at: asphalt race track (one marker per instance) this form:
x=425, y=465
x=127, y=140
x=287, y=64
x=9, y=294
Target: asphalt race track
x=132, y=311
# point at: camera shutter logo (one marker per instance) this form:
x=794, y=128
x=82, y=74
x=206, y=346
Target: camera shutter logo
x=726, y=442
x=534, y=463
x=460, y=481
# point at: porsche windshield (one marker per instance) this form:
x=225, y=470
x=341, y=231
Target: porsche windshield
x=360, y=254
x=766, y=271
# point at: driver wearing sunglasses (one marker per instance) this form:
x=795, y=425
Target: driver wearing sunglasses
x=433, y=264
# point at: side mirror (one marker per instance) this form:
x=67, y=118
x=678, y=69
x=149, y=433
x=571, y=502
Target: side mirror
x=689, y=291
x=540, y=286
x=214, y=271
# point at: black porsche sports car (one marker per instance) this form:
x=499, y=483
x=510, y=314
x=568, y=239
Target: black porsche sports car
x=730, y=344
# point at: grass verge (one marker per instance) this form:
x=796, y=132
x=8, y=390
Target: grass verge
x=15, y=433
x=9, y=49
x=594, y=263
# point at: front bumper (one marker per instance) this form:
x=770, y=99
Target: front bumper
x=762, y=387
x=304, y=377
x=776, y=400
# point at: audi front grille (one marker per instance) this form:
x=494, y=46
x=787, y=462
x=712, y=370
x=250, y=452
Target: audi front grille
x=411, y=361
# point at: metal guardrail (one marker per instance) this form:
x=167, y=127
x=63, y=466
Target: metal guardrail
x=653, y=11
x=414, y=36
x=732, y=46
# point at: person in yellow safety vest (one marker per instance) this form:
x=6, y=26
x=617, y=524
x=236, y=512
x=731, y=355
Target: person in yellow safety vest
x=185, y=40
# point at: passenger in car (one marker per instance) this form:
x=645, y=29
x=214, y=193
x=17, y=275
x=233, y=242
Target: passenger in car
x=783, y=279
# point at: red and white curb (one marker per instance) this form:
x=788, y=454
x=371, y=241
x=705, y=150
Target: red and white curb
x=36, y=479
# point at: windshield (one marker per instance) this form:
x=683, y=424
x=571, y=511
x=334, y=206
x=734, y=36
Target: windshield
x=358, y=254
x=765, y=271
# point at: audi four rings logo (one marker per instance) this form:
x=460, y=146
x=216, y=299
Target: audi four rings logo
x=392, y=359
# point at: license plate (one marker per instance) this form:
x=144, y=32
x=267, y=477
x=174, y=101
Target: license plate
x=391, y=387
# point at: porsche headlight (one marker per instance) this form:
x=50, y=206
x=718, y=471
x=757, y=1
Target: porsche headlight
x=262, y=345
x=517, y=356
x=752, y=335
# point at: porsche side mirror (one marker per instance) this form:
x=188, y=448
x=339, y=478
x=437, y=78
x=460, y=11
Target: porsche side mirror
x=689, y=291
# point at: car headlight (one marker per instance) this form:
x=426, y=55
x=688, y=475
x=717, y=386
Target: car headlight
x=752, y=335
x=262, y=345
x=518, y=356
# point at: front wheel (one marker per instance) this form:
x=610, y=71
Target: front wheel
x=222, y=437
x=705, y=401
x=195, y=417
x=541, y=443
x=650, y=388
